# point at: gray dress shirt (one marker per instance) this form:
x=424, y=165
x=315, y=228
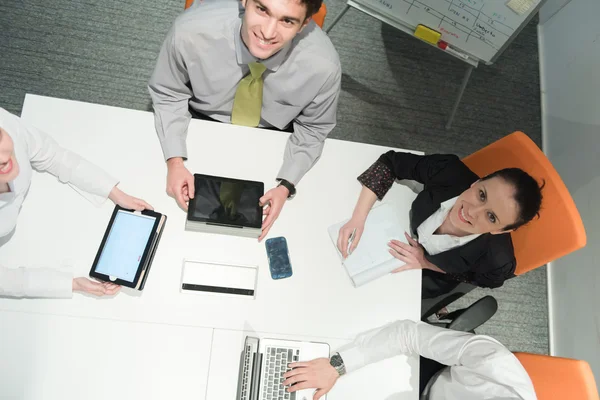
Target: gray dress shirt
x=202, y=61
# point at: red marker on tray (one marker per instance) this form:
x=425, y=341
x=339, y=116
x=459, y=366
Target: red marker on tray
x=447, y=48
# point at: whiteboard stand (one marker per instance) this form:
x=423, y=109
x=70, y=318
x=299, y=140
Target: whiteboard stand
x=488, y=21
x=461, y=91
x=410, y=30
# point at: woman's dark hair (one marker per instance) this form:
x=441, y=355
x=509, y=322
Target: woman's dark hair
x=312, y=6
x=528, y=194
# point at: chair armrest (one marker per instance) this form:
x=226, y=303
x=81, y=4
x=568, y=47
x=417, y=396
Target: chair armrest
x=475, y=315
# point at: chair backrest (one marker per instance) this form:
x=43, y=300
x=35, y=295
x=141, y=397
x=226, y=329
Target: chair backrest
x=559, y=230
x=319, y=16
x=559, y=378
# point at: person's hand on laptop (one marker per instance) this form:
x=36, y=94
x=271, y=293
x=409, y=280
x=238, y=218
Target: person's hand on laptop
x=317, y=374
x=121, y=198
x=85, y=285
x=356, y=225
x=180, y=182
x=274, y=200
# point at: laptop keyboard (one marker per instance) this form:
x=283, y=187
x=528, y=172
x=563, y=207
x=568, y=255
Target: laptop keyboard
x=275, y=361
x=247, y=373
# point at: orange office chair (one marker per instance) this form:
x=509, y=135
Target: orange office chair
x=553, y=378
x=319, y=16
x=559, y=378
x=559, y=230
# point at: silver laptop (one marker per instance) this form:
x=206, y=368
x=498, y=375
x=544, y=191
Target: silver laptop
x=264, y=362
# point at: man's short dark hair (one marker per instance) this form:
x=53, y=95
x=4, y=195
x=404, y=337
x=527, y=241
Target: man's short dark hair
x=528, y=194
x=312, y=6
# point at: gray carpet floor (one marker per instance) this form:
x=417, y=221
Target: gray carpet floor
x=396, y=91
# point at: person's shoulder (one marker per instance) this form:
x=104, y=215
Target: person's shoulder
x=454, y=163
x=448, y=171
x=500, y=259
x=4, y=114
x=314, y=46
x=207, y=16
x=9, y=122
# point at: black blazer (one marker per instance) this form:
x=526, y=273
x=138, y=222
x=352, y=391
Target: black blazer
x=486, y=261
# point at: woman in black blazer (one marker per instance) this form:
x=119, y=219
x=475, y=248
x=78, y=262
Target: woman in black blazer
x=461, y=221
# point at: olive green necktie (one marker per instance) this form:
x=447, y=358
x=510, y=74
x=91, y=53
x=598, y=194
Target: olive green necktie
x=248, y=97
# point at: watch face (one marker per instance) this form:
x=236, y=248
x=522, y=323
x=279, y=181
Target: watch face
x=336, y=360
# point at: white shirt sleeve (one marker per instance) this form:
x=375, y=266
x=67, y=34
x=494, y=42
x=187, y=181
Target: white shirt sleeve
x=478, y=363
x=45, y=154
x=35, y=282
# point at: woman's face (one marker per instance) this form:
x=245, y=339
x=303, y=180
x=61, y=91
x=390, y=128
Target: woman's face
x=9, y=168
x=486, y=207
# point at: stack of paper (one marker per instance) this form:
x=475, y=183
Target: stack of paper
x=371, y=259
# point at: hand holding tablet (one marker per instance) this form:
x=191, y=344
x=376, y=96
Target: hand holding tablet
x=128, y=247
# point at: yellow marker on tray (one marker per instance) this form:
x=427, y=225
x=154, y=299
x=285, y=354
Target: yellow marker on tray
x=427, y=34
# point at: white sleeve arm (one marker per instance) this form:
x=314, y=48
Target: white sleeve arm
x=45, y=154
x=405, y=337
x=35, y=282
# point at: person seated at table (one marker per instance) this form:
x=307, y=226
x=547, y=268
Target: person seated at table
x=453, y=365
x=24, y=148
x=460, y=222
x=259, y=63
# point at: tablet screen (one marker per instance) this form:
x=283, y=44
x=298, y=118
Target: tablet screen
x=125, y=245
x=227, y=201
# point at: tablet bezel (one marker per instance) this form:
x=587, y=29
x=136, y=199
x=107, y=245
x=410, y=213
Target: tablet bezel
x=146, y=254
x=259, y=212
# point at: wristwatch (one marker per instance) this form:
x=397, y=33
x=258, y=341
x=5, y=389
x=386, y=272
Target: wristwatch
x=337, y=363
x=289, y=186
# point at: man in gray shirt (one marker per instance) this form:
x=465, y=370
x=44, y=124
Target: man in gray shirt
x=206, y=54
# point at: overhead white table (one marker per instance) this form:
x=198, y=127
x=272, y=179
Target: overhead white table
x=57, y=226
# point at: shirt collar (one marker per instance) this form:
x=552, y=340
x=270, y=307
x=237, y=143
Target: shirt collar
x=244, y=57
x=448, y=204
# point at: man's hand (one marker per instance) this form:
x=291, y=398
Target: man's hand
x=180, y=182
x=413, y=255
x=275, y=198
x=357, y=223
x=96, y=288
x=318, y=374
x=126, y=201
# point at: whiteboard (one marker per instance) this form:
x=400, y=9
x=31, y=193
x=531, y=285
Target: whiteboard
x=480, y=28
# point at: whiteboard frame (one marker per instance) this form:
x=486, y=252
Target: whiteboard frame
x=409, y=29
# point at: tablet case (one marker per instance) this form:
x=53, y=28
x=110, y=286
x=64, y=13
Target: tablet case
x=140, y=282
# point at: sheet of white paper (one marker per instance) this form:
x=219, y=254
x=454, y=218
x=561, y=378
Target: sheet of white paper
x=521, y=6
x=371, y=259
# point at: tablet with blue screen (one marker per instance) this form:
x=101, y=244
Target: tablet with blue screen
x=128, y=247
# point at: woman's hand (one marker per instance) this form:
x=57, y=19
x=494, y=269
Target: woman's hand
x=95, y=288
x=413, y=254
x=357, y=223
x=126, y=201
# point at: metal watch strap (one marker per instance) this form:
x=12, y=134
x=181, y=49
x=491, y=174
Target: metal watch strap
x=337, y=363
x=289, y=186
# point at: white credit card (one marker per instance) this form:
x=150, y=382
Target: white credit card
x=218, y=279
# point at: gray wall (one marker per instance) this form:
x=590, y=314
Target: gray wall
x=570, y=79
x=550, y=8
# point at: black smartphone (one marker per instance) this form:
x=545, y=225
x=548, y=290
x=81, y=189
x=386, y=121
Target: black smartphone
x=279, y=258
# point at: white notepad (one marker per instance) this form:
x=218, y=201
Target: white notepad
x=371, y=259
